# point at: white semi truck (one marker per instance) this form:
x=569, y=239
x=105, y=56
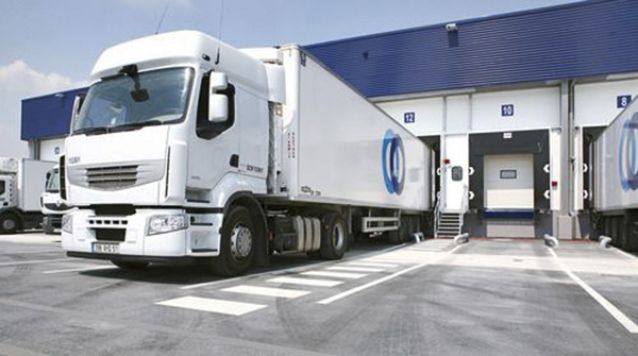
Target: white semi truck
x=52, y=206
x=615, y=179
x=187, y=148
x=21, y=184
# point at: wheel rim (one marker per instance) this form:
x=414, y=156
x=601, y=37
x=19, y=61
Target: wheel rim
x=8, y=224
x=241, y=241
x=338, y=234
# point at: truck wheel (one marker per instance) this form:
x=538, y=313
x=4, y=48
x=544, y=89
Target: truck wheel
x=237, y=243
x=8, y=224
x=334, y=237
x=130, y=266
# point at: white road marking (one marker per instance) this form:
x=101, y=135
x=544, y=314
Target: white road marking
x=358, y=289
x=81, y=269
x=266, y=291
x=212, y=305
x=606, y=304
x=369, y=264
x=292, y=269
x=345, y=275
x=33, y=262
x=306, y=281
x=628, y=255
x=355, y=269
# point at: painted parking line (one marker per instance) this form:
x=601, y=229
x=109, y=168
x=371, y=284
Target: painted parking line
x=360, y=288
x=616, y=313
x=355, y=269
x=80, y=269
x=370, y=264
x=306, y=281
x=218, y=306
x=346, y=275
x=267, y=291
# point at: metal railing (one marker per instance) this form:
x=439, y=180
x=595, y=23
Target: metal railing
x=437, y=208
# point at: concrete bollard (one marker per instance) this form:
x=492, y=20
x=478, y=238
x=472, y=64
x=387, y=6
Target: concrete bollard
x=418, y=237
x=550, y=241
x=462, y=238
x=605, y=241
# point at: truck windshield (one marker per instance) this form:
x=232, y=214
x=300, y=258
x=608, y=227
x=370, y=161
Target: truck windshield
x=53, y=183
x=148, y=98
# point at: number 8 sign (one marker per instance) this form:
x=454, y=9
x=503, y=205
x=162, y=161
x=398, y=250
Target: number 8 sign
x=622, y=101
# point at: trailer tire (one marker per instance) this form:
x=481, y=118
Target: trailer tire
x=9, y=223
x=130, y=266
x=237, y=243
x=334, y=237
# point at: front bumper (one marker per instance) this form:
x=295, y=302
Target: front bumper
x=198, y=240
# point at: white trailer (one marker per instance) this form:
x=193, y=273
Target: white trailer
x=52, y=206
x=615, y=179
x=21, y=184
x=186, y=148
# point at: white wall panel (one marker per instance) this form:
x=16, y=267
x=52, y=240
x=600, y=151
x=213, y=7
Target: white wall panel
x=595, y=103
x=457, y=116
x=555, y=167
x=533, y=109
x=50, y=150
x=428, y=114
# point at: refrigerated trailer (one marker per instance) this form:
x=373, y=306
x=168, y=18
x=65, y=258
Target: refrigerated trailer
x=21, y=184
x=186, y=148
x=615, y=179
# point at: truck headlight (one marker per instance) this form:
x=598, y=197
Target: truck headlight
x=67, y=223
x=160, y=224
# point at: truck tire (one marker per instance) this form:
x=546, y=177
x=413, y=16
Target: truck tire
x=9, y=223
x=237, y=243
x=334, y=237
x=130, y=266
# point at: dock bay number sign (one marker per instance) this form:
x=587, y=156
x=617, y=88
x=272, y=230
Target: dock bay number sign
x=409, y=117
x=507, y=110
x=622, y=101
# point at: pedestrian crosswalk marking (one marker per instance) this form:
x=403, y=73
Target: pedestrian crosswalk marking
x=212, y=305
x=355, y=269
x=306, y=281
x=267, y=291
x=346, y=275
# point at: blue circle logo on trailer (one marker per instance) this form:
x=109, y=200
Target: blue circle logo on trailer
x=393, y=161
x=627, y=155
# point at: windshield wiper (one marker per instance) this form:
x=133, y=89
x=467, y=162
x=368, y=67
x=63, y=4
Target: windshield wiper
x=136, y=125
x=92, y=130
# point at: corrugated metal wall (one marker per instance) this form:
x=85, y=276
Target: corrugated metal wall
x=48, y=116
x=563, y=42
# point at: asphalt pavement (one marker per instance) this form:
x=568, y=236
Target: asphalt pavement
x=485, y=297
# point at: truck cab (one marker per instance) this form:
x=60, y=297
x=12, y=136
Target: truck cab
x=157, y=149
x=52, y=206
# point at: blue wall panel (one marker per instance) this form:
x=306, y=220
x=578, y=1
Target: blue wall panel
x=563, y=42
x=49, y=115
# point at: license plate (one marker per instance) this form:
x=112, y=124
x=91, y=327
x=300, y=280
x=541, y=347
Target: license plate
x=106, y=248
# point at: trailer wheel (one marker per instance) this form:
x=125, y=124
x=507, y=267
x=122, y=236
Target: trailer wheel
x=130, y=266
x=9, y=224
x=237, y=243
x=334, y=237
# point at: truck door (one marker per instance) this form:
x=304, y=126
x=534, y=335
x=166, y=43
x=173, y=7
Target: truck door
x=4, y=201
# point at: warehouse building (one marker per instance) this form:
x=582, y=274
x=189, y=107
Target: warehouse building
x=509, y=103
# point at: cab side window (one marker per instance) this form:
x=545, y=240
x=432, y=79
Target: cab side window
x=2, y=187
x=206, y=129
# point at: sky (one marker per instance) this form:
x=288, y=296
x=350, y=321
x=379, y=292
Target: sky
x=50, y=45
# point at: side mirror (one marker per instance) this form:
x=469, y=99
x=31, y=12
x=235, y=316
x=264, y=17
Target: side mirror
x=217, y=103
x=77, y=106
x=218, y=108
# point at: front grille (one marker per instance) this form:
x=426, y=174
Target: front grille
x=114, y=177
x=110, y=234
x=56, y=207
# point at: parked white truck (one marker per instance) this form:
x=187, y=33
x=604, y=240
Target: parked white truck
x=187, y=148
x=21, y=184
x=52, y=206
x=615, y=179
